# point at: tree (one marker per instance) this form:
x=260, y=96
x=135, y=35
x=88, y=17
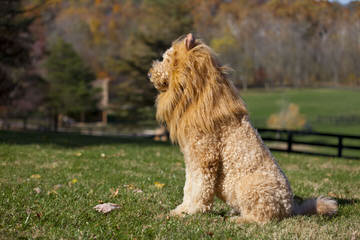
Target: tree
x=70, y=82
x=15, y=44
x=162, y=21
x=28, y=97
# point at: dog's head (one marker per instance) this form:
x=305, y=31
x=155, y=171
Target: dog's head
x=161, y=71
x=194, y=90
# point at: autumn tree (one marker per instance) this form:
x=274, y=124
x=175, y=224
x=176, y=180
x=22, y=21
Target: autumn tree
x=160, y=23
x=268, y=43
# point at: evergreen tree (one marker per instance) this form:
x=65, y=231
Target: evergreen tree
x=70, y=88
x=162, y=21
x=15, y=43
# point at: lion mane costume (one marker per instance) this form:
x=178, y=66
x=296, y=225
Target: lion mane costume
x=224, y=155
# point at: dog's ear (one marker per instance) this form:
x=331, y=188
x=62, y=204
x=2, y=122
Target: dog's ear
x=189, y=41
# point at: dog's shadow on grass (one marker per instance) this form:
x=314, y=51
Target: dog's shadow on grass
x=341, y=202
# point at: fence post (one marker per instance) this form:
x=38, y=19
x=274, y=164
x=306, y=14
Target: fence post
x=340, y=146
x=290, y=137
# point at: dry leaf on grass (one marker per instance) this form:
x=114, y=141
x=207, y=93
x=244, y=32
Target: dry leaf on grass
x=57, y=186
x=52, y=192
x=115, y=192
x=106, y=207
x=159, y=185
x=129, y=186
x=35, y=176
x=133, y=188
x=72, y=182
x=37, y=190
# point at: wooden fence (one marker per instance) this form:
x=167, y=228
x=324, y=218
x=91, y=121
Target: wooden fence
x=291, y=139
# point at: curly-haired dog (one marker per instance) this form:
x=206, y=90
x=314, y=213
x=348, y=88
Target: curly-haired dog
x=224, y=155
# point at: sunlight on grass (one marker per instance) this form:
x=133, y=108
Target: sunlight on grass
x=51, y=182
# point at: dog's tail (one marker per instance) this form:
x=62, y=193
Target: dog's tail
x=321, y=206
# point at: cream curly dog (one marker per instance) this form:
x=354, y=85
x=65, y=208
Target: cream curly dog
x=224, y=155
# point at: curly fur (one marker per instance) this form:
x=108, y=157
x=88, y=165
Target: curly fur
x=224, y=155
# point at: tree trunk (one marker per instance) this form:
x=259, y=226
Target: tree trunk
x=82, y=117
x=55, y=122
x=25, y=123
x=59, y=121
x=104, y=117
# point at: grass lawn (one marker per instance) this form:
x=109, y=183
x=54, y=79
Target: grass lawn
x=327, y=110
x=49, y=184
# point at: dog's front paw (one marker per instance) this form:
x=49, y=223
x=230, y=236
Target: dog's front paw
x=179, y=211
x=183, y=209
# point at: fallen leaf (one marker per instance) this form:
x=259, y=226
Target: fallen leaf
x=210, y=234
x=57, y=186
x=72, y=182
x=138, y=191
x=78, y=154
x=39, y=214
x=159, y=185
x=106, y=207
x=37, y=190
x=129, y=186
x=133, y=188
x=115, y=192
x=35, y=176
x=52, y=192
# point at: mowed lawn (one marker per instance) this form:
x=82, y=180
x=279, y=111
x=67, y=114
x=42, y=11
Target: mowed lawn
x=326, y=110
x=49, y=184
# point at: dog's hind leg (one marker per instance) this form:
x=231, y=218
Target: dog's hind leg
x=262, y=197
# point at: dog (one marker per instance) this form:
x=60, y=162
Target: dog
x=224, y=155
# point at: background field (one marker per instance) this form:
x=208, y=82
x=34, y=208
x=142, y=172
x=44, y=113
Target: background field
x=327, y=110
x=74, y=173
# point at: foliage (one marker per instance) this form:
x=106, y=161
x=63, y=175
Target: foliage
x=288, y=118
x=70, y=89
x=268, y=43
x=15, y=45
x=28, y=97
x=51, y=182
x=162, y=22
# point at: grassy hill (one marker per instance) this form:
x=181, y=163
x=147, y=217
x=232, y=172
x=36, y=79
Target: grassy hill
x=51, y=182
x=328, y=110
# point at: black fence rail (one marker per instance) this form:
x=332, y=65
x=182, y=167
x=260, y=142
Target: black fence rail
x=291, y=139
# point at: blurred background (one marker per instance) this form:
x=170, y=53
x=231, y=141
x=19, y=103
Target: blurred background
x=81, y=66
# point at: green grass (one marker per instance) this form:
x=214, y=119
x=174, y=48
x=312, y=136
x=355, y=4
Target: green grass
x=318, y=105
x=75, y=173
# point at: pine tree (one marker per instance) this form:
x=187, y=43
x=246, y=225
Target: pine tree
x=15, y=43
x=162, y=21
x=70, y=82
